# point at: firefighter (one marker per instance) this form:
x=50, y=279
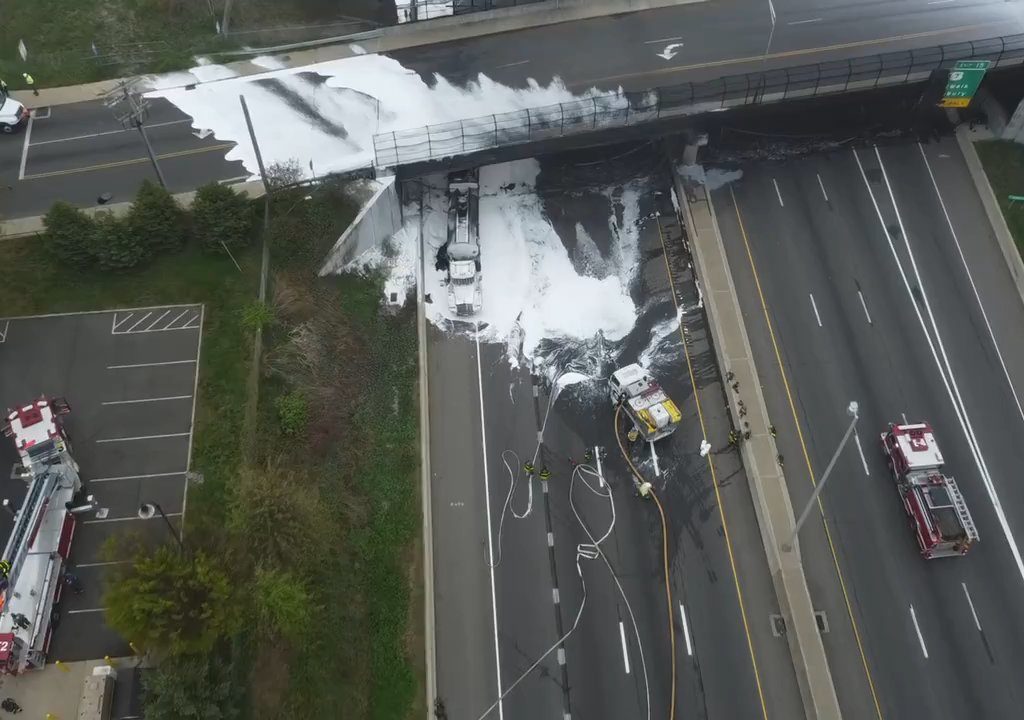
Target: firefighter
x=31, y=83
x=633, y=435
x=588, y=457
x=440, y=712
x=771, y=429
x=545, y=473
x=20, y=620
x=9, y=705
x=528, y=467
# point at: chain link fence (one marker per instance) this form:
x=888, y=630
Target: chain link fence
x=624, y=109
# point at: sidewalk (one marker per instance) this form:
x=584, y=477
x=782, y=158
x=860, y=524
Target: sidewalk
x=767, y=482
x=396, y=37
x=54, y=692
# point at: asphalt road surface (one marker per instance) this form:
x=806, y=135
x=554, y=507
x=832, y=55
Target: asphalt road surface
x=131, y=398
x=499, y=611
x=76, y=152
x=939, y=638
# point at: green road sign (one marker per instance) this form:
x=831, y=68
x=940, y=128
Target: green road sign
x=963, y=82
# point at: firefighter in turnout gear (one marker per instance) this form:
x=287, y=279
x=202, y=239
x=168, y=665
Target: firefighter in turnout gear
x=545, y=473
x=528, y=467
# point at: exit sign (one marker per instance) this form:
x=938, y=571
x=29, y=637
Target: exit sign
x=963, y=82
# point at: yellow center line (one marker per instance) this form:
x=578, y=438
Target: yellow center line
x=714, y=479
x=133, y=161
x=785, y=54
x=807, y=457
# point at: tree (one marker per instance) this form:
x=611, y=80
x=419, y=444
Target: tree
x=156, y=219
x=190, y=687
x=173, y=602
x=221, y=215
x=70, y=234
x=283, y=605
x=115, y=246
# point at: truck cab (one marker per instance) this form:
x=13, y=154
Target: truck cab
x=653, y=413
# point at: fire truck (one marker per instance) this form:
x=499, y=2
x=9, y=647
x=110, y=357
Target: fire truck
x=938, y=514
x=33, y=563
x=653, y=413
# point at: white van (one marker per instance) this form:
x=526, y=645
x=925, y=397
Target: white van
x=13, y=114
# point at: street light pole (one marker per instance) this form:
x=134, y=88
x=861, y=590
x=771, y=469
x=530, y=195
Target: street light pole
x=147, y=511
x=852, y=410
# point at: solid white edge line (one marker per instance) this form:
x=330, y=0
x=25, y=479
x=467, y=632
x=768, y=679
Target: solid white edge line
x=970, y=278
x=686, y=631
x=814, y=305
x=24, y=148
x=143, y=437
x=625, y=651
x=822, y=186
x=805, y=22
x=863, y=459
x=145, y=400
x=864, y=305
x=662, y=40
x=778, y=193
x=970, y=602
x=920, y=637
x=490, y=536
x=192, y=418
x=600, y=473
x=152, y=364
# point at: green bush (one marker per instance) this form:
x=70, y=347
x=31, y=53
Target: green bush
x=221, y=215
x=257, y=315
x=190, y=687
x=70, y=234
x=292, y=413
x=283, y=605
x=156, y=219
x=115, y=246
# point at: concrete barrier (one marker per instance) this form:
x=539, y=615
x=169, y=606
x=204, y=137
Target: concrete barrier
x=767, y=484
x=379, y=219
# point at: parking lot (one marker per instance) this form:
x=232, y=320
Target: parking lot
x=130, y=377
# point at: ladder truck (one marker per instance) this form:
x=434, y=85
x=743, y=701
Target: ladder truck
x=465, y=296
x=939, y=517
x=34, y=559
x=653, y=413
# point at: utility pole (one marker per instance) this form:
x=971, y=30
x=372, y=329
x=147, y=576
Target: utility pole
x=131, y=109
x=226, y=18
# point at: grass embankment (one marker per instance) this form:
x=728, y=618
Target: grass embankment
x=1004, y=165
x=352, y=370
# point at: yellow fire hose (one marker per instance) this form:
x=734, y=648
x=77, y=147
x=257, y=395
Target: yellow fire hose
x=664, y=555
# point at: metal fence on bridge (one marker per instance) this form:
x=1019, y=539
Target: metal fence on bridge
x=623, y=109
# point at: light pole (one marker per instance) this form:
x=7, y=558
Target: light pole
x=131, y=109
x=147, y=511
x=852, y=411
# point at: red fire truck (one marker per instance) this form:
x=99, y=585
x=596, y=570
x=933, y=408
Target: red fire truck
x=938, y=514
x=33, y=563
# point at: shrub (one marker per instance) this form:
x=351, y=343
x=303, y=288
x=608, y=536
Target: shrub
x=257, y=315
x=115, y=246
x=155, y=218
x=221, y=215
x=70, y=234
x=190, y=687
x=283, y=605
x=292, y=413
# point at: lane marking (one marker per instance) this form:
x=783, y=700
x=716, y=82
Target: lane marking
x=863, y=459
x=146, y=400
x=152, y=364
x=140, y=321
x=128, y=518
x=24, y=147
x=143, y=437
x=686, y=631
x=625, y=652
x=513, y=64
x=662, y=40
x=555, y=597
x=3, y=335
x=970, y=602
x=153, y=324
x=110, y=132
x=814, y=305
x=905, y=421
x=822, y=186
x=865, y=306
x=805, y=22
x=709, y=459
x=654, y=457
x=135, y=477
x=600, y=473
x=807, y=458
x=490, y=536
x=778, y=194
x=551, y=539
x=940, y=2
x=133, y=161
x=920, y=637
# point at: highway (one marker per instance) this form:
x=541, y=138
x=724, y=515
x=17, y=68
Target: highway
x=75, y=152
x=616, y=658
x=940, y=638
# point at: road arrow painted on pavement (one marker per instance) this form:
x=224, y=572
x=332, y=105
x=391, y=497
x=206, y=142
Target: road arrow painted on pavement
x=670, y=51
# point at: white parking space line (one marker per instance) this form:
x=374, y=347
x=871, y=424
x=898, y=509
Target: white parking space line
x=778, y=193
x=920, y=637
x=129, y=518
x=152, y=364
x=146, y=400
x=865, y=306
x=3, y=335
x=662, y=40
x=970, y=602
x=159, y=324
x=139, y=322
x=686, y=631
x=24, y=148
x=84, y=610
x=822, y=186
x=863, y=460
x=142, y=437
x=162, y=316
x=625, y=651
x=815, y=306
x=149, y=126
x=136, y=477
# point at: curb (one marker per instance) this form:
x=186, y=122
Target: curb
x=767, y=483
x=996, y=219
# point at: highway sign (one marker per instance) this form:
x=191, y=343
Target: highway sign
x=963, y=82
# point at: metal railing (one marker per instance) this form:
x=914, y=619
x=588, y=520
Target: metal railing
x=624, y=109
x=419, y=10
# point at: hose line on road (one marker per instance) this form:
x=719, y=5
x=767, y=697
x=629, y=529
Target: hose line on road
x=664, y=553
